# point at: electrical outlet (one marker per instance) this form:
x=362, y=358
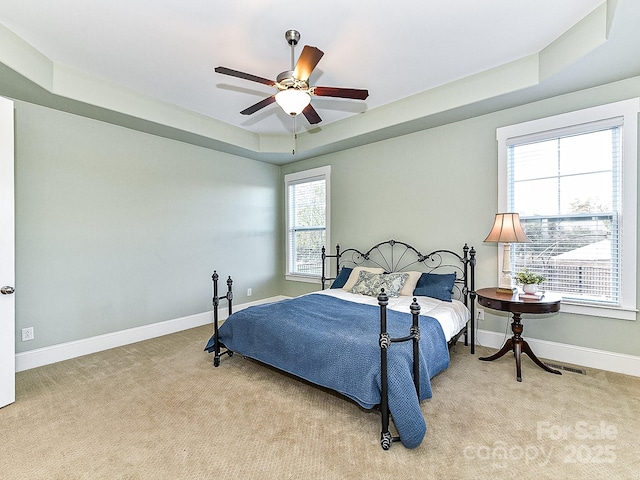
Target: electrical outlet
x=249, y=292
x=27, y=334
x=479, y=314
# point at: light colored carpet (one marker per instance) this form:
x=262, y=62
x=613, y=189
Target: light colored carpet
x=159, y=410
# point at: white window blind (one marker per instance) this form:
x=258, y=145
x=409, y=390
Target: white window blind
x=307, y=221
x=566, y=188
x=573, y=180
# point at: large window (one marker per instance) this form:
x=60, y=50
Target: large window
x=572, y=178
x=307, y=206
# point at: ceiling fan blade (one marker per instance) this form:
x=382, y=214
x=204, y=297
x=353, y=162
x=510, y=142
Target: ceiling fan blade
x=311, y=115
x=246, y=76
x=355, y=93
x=307, y=61
x=261, y=104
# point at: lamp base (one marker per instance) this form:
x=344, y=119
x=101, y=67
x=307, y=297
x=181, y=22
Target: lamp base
x=506, y=283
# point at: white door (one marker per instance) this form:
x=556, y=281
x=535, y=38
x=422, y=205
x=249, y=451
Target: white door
x=7, y=258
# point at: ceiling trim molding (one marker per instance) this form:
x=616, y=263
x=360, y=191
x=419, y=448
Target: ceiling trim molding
x=176, y=122
x=585, y=36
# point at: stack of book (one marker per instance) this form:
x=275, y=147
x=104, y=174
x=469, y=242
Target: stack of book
x=531, y=296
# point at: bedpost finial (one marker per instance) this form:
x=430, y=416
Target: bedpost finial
x=383, y=298
x=415, y=307
x=215, y=276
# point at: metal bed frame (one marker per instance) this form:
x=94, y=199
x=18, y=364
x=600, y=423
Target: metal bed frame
x=392, y=256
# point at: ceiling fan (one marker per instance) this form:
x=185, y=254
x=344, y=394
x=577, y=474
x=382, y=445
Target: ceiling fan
x=294, y=92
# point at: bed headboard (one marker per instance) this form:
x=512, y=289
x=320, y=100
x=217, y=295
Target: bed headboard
x=396, y=256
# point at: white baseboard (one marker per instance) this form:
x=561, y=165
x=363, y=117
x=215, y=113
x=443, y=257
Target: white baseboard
x=65, y=351
x=573, y=354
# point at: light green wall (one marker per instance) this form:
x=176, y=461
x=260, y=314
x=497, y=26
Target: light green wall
x=438, y=189
x=117, y=229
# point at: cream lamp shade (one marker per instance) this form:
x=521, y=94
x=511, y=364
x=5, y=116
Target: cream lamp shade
x=293, y=101
x=506, y=230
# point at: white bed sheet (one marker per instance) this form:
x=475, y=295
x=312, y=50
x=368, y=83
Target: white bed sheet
x=452, y=316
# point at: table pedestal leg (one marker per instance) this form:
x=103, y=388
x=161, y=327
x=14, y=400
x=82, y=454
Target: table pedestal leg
x=518, y=345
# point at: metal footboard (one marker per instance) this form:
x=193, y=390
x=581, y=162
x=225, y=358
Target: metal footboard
x=216, y=302
x=386, y=439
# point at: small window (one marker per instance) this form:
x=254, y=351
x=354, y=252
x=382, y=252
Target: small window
x=307, y=206
x=572, y=179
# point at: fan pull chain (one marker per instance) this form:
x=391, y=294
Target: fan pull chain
x=295, y=136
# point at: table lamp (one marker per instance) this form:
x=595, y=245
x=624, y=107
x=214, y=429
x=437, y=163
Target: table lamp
x=507, y=230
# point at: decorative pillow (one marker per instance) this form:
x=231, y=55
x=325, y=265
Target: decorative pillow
x=410, y=284
x=371, y=283
x=435, y=285
x=355, y=274
x=342, y=277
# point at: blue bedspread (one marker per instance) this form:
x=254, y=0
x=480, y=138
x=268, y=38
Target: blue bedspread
x=334, y=343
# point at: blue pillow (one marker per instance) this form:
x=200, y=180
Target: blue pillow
x=342, y=278
x=435, y=285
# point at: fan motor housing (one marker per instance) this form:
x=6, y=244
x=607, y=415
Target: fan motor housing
x=287, y=80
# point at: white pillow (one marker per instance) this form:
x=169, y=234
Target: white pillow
x=355, y=274
x=410, y=284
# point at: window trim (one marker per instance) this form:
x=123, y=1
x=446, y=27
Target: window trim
x=628, y=109
x=297, y=178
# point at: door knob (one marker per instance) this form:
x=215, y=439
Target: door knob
x=7, y=290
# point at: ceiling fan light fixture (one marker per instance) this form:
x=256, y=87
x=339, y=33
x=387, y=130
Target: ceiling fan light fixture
x=293, y=101
x=294, y=91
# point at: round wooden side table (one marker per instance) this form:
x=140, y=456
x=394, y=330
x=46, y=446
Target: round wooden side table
x=512, y=303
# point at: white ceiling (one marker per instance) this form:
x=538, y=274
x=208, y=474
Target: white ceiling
x=167, y=49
